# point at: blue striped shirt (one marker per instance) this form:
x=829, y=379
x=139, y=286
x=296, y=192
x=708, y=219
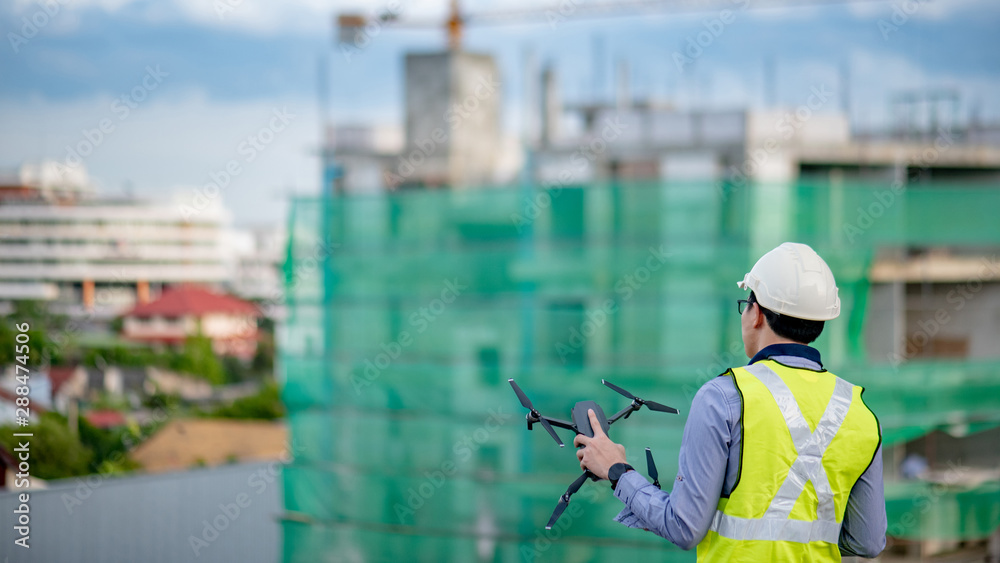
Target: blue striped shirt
x=708, y=465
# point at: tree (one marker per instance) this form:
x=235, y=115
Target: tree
x=198, y=358
x=109, y=447
x=263, y=359
x=235, y=369
x=266, y=405
x=55, y=452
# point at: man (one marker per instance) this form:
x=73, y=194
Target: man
x=780, y=460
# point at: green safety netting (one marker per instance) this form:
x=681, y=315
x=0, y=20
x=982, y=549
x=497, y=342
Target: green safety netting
x=408, y=311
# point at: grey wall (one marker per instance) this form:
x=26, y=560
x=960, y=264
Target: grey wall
x=150, y=518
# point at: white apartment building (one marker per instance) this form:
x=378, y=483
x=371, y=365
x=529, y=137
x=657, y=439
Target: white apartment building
x=90, y=255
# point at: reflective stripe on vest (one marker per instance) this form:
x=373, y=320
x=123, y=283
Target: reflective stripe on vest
x=775, y=525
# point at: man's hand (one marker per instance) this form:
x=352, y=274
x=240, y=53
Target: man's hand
x=599, y=453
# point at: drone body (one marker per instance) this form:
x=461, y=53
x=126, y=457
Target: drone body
x=581, y=425
x=581, y=420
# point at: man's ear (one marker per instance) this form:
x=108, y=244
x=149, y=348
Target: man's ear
x=758, y=320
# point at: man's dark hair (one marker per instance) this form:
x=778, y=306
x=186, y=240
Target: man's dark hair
x=798, y=330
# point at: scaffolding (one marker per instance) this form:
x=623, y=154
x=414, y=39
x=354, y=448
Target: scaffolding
x=408, y=311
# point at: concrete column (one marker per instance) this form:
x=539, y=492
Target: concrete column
x=88, y=294
x=142, y=292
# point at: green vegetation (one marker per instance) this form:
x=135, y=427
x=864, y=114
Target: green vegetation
x=43, y=346
x=54, y=340
x=109, y=447
x=266, y=405
x=198, y=358
x=55, y=452
x=195, y=358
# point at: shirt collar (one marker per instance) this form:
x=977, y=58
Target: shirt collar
x=800, y=350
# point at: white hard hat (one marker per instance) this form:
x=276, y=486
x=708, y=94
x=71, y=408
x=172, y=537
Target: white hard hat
x=793, y=280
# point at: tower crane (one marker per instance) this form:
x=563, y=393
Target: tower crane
x=350, y=24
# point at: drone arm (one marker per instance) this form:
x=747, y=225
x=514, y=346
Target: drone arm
x=560, y=423
x=564, y=499
x=625, y=411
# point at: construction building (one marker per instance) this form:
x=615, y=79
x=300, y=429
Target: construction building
x=615, y=255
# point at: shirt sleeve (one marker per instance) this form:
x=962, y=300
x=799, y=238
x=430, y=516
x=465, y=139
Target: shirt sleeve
x=684, y=514
x=862, y=532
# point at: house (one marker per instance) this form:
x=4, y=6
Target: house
x=105, y=418
x=9, y=409
x=188, y=310
x=69, y=383
x=187, y=388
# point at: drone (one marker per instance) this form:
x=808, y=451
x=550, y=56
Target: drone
x=581, y=425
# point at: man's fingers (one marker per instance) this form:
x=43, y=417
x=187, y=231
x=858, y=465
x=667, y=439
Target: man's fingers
x=595, y=424
x=581, y=440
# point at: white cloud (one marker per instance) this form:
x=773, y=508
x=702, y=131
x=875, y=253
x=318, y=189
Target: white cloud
x=174, y=141
x=919, y=9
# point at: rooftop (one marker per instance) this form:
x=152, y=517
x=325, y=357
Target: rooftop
x=192, y=300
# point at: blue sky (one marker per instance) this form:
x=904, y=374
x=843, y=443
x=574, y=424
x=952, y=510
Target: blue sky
x=224, y=75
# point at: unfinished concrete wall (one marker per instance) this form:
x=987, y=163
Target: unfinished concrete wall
x=452, y=119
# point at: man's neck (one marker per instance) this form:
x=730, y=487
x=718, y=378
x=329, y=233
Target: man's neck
x=781, y=349
x=769, y=339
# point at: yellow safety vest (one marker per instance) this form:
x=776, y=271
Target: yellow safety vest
x=807, y=438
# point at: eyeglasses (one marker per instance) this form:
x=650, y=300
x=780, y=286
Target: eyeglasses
x=740, y=303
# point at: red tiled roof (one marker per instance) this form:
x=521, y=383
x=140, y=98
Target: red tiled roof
x=59, y=375
x=192, y=300
x=105, y=418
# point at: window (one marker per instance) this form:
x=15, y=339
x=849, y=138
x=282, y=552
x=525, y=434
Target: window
x=489, y=366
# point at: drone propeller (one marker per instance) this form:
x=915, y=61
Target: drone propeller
x=534, y=413
x=651, y=404
x=651, y=469
x=564, y=499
